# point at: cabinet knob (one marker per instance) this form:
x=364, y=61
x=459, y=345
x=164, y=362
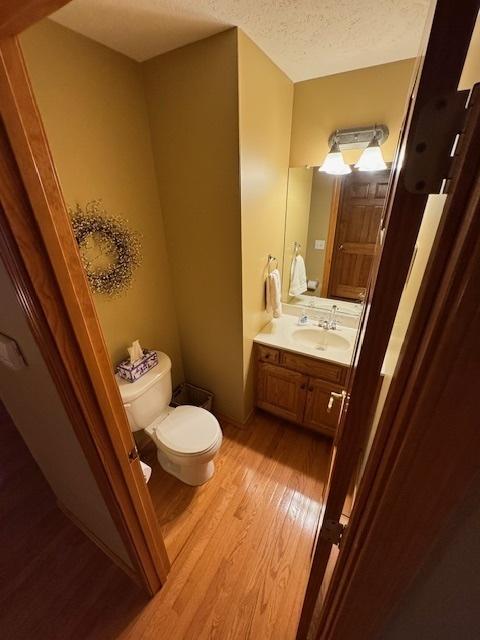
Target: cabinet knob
x=310, y=388
x=303, y=387
x=267, y=356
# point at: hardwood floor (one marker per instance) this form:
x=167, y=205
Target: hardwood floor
x=240, y=547
x=55, y=584
x=241, y=543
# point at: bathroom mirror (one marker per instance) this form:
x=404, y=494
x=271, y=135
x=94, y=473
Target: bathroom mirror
x=331, y=227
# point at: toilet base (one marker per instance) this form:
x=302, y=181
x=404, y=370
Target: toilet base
x=193, y=474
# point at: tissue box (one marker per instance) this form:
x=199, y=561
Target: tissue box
x=133, y=371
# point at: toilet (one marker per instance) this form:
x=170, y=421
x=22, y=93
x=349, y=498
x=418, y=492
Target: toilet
x=187, y=438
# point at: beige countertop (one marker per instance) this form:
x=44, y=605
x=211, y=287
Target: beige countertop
x=332, y=346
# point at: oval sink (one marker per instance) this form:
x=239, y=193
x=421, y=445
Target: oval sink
x=318, y=338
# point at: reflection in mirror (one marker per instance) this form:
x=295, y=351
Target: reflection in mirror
x=331, y=232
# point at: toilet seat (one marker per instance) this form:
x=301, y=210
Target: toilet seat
x=188, y=431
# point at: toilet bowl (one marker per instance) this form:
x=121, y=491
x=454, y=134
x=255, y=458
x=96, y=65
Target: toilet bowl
x=187, y=437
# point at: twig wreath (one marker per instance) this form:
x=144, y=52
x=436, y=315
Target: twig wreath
x=109, y=250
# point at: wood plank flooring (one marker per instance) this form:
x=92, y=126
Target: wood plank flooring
x=241, y=543
x=55, y=584
x=240, y=547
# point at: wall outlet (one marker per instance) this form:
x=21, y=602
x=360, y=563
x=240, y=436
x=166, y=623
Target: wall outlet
x=320, y=244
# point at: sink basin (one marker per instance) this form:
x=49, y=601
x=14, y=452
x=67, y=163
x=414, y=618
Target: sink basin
x=321, y=339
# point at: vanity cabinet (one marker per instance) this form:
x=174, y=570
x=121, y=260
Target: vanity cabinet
x=298, y=388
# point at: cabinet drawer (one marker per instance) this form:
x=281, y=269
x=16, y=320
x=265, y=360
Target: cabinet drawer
x=267, y=354
x=310, y=366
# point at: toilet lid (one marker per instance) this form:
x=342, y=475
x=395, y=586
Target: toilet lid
x=188, y=430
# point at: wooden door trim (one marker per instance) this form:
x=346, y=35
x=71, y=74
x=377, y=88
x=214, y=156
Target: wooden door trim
x=44, y=239
x=413, y=452
x=17, y=15
x=391, y=270
x=332, y=228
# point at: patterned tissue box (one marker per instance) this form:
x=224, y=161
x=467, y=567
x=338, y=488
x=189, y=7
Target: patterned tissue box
x=133, y=371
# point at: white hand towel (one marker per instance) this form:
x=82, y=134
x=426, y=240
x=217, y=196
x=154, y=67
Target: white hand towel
x=298, y=277
x=273, y=293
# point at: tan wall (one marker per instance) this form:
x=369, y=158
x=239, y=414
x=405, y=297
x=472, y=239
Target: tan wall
x=32, y=401
x=192, y=95
x=296, y=219
x=265, y=108
x=319, y=222
x=355, y=98
x=92, y=104
x=471, y=70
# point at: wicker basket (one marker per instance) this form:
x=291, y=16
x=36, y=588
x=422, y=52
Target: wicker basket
x=189, y=394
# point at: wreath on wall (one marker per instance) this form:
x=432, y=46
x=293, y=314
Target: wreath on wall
x=109, y=250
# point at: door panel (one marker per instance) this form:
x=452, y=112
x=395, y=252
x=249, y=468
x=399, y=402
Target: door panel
x=281, y=391
x=388, y=277
x=360, y=211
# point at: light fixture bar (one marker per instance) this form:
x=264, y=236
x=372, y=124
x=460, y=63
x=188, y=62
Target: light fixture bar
x=359, y=137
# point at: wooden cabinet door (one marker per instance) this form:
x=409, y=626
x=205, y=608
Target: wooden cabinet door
x=360, y=209
x=281, y=391
x=317, y=414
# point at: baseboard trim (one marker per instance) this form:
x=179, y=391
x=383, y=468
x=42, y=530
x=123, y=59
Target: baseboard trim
x=101, y=545
x=236, y=423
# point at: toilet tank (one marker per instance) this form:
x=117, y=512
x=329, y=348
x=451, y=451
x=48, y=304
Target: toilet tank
x=149, y=396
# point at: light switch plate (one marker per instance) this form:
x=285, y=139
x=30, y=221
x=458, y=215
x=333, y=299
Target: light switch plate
x=320, y=244
x=10, y=354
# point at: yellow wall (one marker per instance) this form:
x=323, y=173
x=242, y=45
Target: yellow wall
x=46, y=428
x=192, y=96
x=265, y=112
x=320, y=205
x=296, y=219
x=471, y=70
x=92, y=104
x=355, y=98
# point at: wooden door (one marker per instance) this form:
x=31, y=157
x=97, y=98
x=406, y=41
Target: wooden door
x=390, y=269
x=361, y=204
x=322, y=410
x=281, y=391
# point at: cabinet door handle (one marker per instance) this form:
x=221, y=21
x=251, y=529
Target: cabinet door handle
x=310, y=388
x=303, y=387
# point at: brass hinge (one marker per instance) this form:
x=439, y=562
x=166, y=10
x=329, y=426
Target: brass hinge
x=429, y=154
x=332, y=531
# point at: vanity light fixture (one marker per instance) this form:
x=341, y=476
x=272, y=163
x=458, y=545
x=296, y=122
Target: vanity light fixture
x=372, y=157
x=334, y=162
x=367, y=138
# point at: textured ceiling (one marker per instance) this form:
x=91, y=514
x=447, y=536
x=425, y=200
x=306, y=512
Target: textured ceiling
x=305, y=38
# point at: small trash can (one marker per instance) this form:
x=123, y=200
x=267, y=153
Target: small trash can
x=189, y=394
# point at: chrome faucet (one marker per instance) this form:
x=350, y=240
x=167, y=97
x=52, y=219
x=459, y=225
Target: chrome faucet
x=331, y=323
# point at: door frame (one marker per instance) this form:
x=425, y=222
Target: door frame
x=416, y=456
x=332, y=230
x=42, y=258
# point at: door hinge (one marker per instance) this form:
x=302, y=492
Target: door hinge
x=133, y=454
x=430, y=153
x=332, y=531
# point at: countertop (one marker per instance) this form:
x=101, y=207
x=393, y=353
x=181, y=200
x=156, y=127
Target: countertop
x=278, y=333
